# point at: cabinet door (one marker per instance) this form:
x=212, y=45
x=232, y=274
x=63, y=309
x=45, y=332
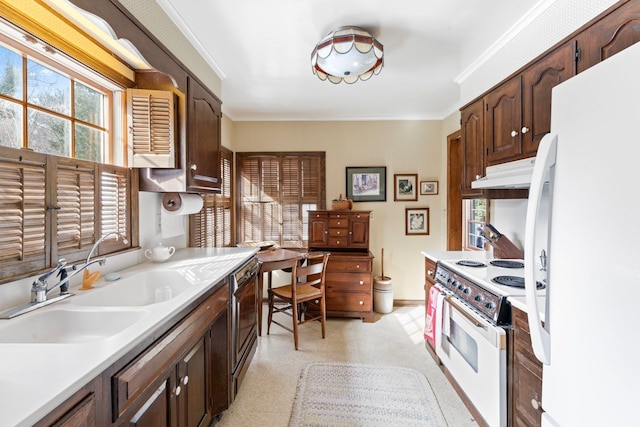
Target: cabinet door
x=608, y=36
x=537, y=82
x=193, y=372
x=473, y=146
x=203, y=144
x=502, y=122
x=318, y=230
x=359, y=231
x=158, y=410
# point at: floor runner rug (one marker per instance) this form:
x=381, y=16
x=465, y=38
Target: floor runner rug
x=335, y=394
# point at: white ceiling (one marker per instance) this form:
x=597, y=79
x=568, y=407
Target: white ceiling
x=261, y=50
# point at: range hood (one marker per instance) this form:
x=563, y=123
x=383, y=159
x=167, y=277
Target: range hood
x=516, y=174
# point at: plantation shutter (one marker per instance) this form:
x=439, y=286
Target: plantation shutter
x=212, y=226
x=22, y=212
x=277, y=190
x=151, y=124
x=114, y=207
x=75, y=208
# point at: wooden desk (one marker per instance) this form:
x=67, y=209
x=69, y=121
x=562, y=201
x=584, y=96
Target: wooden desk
x=270, y=260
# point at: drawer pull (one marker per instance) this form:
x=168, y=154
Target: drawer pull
x=361, y=302
x=361, y=282
x=178, y=391
x=337, y=242
x=357, y=265
x=339, y=223
x=338, y=233
x=185, y=380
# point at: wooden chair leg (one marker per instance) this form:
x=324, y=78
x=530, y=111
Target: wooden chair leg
x=323, y=313
x=270, y=316
x=294, y=308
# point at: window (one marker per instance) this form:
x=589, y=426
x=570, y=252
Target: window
x=58, y=195
x=50, y=109
x=475, y=216
x=212, y=226
x=276, y=191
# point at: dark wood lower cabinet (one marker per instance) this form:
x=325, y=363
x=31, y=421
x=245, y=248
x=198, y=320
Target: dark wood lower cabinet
x=525, y=384
x=182, y=378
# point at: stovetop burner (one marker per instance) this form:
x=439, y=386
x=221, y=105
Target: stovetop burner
x=504, y=263
x=513, y=281
x=471, y=263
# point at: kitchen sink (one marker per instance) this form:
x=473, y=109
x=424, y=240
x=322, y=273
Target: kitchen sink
x=139, y=289
x=68, y=326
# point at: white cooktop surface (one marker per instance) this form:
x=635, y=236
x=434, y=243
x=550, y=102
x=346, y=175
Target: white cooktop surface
x=483, y=275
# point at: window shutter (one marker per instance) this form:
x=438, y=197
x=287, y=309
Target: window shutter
x=151, y=123
x=75, y=208
x=276, y=191
x=212, y=227
x=114, y=205
x=22, y=212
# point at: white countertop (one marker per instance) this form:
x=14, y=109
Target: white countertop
x=36, y=378
x=456, y=255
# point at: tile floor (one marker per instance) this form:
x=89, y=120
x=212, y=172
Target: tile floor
x=267, y=393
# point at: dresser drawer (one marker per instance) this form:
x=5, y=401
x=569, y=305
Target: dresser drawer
x=338, y=242
x=338, y=233
x=338, y=222
x=349, y=282
x=360, y=302
x=348, y=265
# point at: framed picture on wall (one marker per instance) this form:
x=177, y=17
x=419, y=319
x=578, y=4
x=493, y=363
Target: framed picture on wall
x=428, y=188
x=416, y=221
x=405, y=187
x=367, y=184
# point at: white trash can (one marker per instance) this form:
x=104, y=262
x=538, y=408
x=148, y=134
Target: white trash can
x=382, y=294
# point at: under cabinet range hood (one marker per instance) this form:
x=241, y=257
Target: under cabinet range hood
x=516, y=174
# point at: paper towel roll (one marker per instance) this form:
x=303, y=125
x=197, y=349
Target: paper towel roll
x=174, y=207
x=181, y=203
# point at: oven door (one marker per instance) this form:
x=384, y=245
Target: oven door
x=474, y=353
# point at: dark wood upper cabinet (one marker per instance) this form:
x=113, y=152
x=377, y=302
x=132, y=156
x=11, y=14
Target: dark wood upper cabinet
x=203, y=145
x=609, y=35
x=472, y=146
x=502, y=122
x=537, y=82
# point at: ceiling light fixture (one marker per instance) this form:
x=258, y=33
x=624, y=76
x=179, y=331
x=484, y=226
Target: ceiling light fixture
x=347, y=53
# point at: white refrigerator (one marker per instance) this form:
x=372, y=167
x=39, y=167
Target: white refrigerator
x=590, y=342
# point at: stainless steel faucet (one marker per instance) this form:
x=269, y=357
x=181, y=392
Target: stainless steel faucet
x=40, y=288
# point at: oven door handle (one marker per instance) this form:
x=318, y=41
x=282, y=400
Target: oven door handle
x=452, y=302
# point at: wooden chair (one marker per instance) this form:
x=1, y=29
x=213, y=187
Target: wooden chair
x=307, y=284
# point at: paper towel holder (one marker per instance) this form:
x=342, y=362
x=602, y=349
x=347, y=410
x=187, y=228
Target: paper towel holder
x=172, y=201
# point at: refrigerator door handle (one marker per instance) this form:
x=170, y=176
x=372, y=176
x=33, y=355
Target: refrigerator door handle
x=545, y=159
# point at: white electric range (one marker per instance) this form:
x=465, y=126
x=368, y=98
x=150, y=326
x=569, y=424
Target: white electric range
x=473, y=315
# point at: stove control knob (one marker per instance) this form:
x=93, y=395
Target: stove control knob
x=467, y=291
x=478, y=298
x=460, y=286
x=489, y=305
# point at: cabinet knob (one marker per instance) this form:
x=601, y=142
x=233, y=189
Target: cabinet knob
x=194, y=167
x=339, y=223
x=429, y=272
x=361, y=282
x=337, y=242
x=525, y=129
x=185, y=380
x=338, y=233
x=361, y=302
x=536, y=405
x=514, y=133
x=478, y=176
x=357, y=265
x=178, y=391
